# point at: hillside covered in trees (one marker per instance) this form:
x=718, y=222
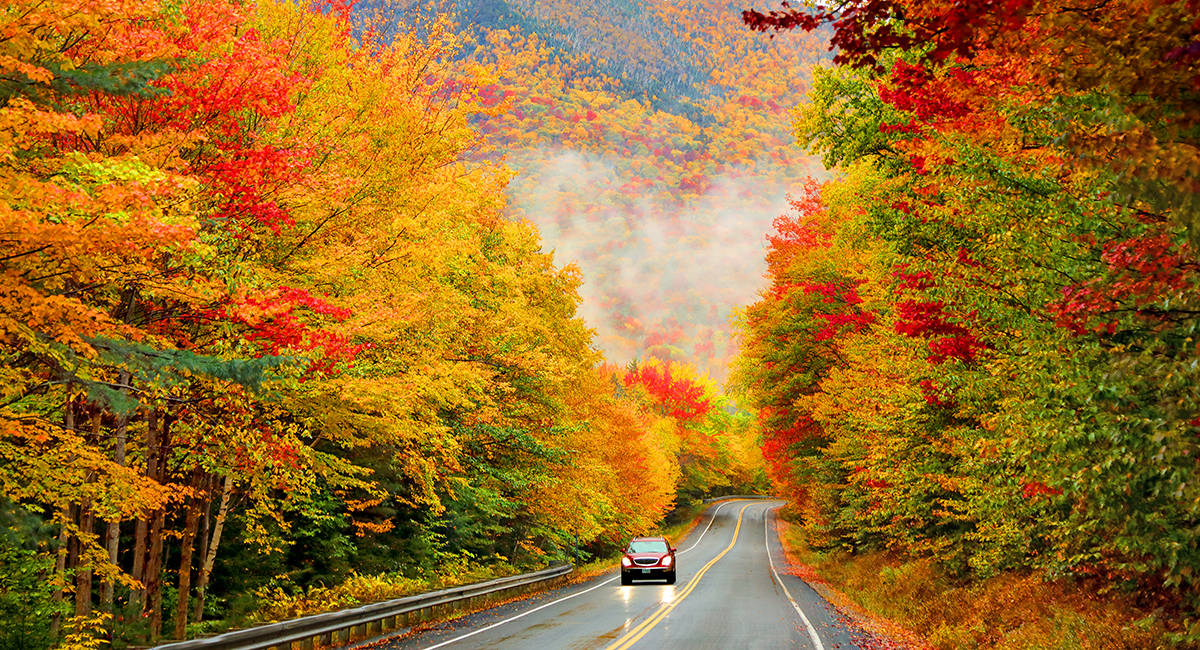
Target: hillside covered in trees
x=652, y=146
x=273, y=325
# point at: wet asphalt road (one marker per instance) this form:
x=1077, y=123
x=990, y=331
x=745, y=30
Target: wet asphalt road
x=726, y=596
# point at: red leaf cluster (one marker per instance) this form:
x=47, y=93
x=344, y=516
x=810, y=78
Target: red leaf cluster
x=934, y=394
x=1034, y=489
x=912, y=281
x=778, y=441
x=275, y=324
x=681, y=397
x=948, y=339
x=248, y=177
x=913, y=88
x=1143, y=270
x=837, y=322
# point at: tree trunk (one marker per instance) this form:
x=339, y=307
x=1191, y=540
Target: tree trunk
x=142, y=529
x=83, y=572
x=72, y=512
x=185, y=558
x=205, y=522
x=64, y=539
x=211, y=556
x=153, y=579
x=138, y=571
x=153, y=568
x=87, y=526
x=112, y=532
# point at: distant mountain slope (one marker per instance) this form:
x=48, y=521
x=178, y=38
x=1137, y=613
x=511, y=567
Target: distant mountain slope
x=653, y=147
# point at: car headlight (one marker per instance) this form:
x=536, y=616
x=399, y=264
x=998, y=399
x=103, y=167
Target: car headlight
x=666, y=561
x=625, y=561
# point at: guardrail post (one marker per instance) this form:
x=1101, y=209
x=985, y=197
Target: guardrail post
x=307, y=644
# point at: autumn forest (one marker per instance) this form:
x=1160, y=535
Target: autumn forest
x=306, y=303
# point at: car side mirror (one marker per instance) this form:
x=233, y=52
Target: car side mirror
x=672, y=550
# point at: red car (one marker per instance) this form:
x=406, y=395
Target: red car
x=648, y=557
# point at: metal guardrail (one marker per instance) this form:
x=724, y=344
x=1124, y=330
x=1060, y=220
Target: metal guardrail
x=342, y=627
x=738, y=496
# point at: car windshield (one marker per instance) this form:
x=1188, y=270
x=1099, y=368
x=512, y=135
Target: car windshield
x=648, y=546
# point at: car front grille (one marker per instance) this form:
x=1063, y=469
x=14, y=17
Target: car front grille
x=645, y=561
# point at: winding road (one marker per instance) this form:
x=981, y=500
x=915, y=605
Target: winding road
x=731, y=592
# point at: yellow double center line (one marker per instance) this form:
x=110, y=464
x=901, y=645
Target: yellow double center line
x=634, y=635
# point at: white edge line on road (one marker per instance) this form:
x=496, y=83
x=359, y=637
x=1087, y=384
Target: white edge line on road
x=812, y=631
x=513, y=618
x=710, y=523
x=541, y=607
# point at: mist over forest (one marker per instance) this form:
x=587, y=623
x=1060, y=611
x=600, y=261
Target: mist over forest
x=646, y=159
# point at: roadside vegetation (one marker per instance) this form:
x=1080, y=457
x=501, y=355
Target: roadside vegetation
x=279, y=603
x=976, y=362
x=916, y=605
x=270, y=341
